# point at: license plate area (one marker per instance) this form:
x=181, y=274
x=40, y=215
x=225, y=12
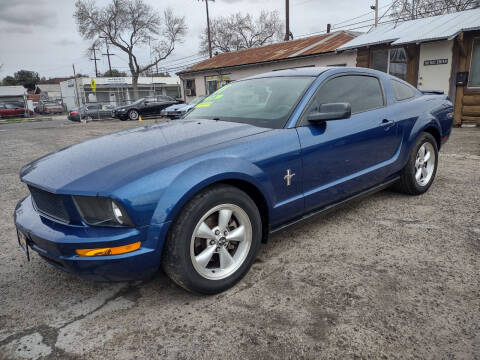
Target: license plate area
x=23, y=243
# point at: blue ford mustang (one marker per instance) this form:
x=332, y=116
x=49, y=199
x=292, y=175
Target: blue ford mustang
x=199, y=195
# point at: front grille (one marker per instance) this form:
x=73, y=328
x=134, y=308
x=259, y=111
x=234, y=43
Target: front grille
x=49, y=204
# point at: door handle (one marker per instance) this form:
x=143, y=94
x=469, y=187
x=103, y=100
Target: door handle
x=387, y=124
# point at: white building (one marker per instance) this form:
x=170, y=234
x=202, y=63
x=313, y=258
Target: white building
x=320, y=50
x=116, y=90
x=12, y=93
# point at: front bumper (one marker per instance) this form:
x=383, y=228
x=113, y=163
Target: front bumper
x=56, y=243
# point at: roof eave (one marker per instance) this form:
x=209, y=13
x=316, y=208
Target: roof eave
x=259, y=63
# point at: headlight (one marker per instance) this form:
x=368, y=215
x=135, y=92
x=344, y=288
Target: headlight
x=101, y=211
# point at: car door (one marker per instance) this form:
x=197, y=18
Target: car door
x=343, y=157
x=12, y=110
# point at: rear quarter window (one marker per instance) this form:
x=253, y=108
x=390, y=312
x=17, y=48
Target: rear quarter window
x=402, y=91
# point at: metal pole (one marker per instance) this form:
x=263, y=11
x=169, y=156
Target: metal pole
x=208, y=29
x=76, y=91
x=413, y=9
x=287, y=20
x=376, y=13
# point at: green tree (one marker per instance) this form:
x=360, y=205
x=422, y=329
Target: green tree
x=29, y=79
x=9, y=81
x=114, y=73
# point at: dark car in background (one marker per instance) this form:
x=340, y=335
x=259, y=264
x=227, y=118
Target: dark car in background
x=12, y=109
x=144, y=107
x=92, y=112
x=178, y=110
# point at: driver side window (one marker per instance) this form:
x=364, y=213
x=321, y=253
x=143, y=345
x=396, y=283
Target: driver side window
x=362, y=92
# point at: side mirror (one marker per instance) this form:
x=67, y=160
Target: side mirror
x=333, y=111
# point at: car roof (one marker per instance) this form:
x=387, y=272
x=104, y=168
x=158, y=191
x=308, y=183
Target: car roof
x=315, y=71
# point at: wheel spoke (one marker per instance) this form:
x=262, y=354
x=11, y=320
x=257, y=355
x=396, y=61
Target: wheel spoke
x=427, y=156
x=226, y=259
x=224, y=216
x=421, y=151
x=205, y=232
x=237, y=234
x=204, y=257
x=424, y=172
x=418, y=174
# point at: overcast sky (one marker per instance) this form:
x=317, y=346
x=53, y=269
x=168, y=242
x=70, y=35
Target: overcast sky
x=41, y=35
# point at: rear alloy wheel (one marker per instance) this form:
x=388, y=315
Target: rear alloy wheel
x=419, y=172
x=133, y=115
x=214, y=240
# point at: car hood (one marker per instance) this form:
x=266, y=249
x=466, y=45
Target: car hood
x=103, y=164
x=177, y=107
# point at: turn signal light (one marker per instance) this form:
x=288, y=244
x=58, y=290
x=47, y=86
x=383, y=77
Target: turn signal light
x=116, y=250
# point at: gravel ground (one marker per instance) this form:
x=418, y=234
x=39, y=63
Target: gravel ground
x=391, y=276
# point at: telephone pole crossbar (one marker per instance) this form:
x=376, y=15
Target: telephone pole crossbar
x=108, y=54
x=93, y=49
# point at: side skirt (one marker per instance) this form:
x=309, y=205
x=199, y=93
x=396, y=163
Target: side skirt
x=334, y=206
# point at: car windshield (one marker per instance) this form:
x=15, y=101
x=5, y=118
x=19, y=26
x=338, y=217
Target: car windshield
x=196, y=100
x=265, y=102
x=138, y=101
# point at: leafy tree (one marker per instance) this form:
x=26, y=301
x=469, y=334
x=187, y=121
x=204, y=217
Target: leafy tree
x=407, y=9
x=9, y=81
x=238, y=31
x=129, y=25
x=29, y=79
x=114, y=73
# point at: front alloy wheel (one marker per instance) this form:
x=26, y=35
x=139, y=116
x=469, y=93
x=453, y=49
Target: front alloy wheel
x=221, y=241
x=213, y=241
x=133, y=115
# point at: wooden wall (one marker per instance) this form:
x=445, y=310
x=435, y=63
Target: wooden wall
x=467, y=100
x=364, y=59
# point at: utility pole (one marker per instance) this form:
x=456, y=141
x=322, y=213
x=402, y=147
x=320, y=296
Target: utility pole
x=413, y=9
x=375, y=7
x=108, y=54
x=208, y=29
x=287, y=20
x=76, y=91
x=95, y=59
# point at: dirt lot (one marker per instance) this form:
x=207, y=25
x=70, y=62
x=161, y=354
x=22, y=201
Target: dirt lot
x=391, y=276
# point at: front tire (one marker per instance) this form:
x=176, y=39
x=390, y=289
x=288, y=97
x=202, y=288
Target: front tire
x=213, y=241
x=133, y=115
x=418, y=174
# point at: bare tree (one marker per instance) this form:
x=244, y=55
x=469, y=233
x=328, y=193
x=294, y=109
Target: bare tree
x=404, y=10
x=238, y=31
x=130, y=25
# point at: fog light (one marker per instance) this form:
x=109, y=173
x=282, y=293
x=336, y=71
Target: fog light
x=116, y=250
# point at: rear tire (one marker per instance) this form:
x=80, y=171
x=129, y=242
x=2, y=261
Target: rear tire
x=213, y=241
x=418, y=174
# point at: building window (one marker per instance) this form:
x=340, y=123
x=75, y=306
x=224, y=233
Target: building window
x=391, y=61
x=474, y=80
x=190, y=87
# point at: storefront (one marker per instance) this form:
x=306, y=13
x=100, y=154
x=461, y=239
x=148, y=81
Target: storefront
x=430, y=57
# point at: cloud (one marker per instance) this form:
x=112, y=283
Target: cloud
x=26, y=13
x=65, y=42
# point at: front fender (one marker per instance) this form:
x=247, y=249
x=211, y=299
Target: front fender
x=198, y=176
